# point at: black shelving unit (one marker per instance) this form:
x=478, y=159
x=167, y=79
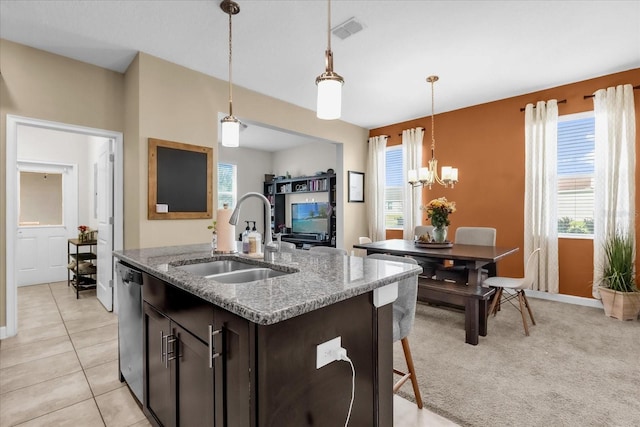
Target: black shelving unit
x=85, y=251
x=277, y=190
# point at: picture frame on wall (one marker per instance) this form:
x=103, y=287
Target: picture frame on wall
x=356, y=187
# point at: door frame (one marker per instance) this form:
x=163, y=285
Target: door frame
x=13, y=122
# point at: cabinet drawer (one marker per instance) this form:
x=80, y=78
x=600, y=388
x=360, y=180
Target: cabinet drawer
x=190, y=312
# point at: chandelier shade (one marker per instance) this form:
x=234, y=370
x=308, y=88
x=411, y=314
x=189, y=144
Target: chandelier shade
x=427, y=176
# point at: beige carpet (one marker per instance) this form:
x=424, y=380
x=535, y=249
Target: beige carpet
x=577, y=368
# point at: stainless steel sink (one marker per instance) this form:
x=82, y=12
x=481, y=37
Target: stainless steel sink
x=215, y=267
x=248, y=275
x=229, y=271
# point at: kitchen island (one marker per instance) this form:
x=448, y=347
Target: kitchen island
x=244, y=354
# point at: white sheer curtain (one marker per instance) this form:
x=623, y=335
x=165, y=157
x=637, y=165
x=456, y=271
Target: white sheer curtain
x=374, y=183
x=614, y=190
x=541, y=182
x=411, y=159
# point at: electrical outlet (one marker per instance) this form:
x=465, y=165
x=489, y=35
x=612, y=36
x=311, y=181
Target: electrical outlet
x=328, y=352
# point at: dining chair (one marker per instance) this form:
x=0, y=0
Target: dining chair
x=518, y=285
x=362, y=252
x=478, y=236
x=423, y=229
x=404, y=312
x=327, y=250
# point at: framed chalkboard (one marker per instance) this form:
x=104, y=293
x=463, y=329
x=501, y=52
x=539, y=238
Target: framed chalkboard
x=180, y=180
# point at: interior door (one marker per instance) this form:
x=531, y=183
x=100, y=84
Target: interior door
x=104, y=210
x=47, y=212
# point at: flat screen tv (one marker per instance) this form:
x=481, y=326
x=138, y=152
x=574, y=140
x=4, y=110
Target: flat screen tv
x=310, y=217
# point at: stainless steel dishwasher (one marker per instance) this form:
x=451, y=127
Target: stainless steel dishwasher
x=130, y=340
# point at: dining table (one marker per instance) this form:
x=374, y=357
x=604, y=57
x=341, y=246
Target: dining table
x=472, y=296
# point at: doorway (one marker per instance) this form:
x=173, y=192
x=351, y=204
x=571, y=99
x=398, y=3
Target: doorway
x=114, y=159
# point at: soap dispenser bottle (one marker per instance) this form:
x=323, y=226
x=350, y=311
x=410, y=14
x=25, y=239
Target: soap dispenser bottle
x=245, y=239
x=255, y=241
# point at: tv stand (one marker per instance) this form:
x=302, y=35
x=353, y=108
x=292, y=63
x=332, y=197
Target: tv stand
x=305, y=241
x=278, y=190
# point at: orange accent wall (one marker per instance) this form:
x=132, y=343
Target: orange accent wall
x=486, y=143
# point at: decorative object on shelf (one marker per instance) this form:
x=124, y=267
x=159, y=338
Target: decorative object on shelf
x=356, y=186
x=329, y=101
x=438, y=211
x=429, y=175
x=230, y=124
x=83, y=234
x=618, y=289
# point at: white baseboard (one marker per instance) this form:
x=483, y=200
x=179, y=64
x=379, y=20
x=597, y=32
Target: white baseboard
x=3, y=332
x=570, y=299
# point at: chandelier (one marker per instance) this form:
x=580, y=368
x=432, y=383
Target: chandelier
x=429, y=175
x=230, y=124
x=329, y=102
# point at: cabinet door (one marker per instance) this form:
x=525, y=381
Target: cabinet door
x=194, y=380
x=233, y=376
x=159, y=398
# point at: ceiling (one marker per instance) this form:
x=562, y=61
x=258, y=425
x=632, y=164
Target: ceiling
x=481, y=50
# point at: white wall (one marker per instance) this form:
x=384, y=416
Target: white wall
x=305, y=160
x=252, y=165
x=52, y=146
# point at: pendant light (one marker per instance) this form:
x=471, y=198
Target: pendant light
x=230, y=124
x=329, y=84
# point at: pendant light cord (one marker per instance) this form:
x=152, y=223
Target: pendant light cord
x=433, y=123
x=329, y=28
x=230, y=75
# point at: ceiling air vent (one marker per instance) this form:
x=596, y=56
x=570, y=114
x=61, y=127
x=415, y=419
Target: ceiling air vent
x=347, y=28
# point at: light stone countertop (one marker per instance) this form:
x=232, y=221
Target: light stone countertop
x=317, y=280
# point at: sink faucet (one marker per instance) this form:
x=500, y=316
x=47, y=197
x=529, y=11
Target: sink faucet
x=269, y=247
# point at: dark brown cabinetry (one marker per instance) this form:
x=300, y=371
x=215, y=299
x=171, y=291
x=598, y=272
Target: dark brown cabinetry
x=205, y=366
x=191, y=350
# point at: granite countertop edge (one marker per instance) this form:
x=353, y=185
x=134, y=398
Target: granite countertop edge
x=214, y=292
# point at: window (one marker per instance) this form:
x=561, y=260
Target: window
x=576, y=145
x=227, y=185
x=393, y=189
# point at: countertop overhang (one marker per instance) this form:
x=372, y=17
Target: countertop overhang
x=319, y=279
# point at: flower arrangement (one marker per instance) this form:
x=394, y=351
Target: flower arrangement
x=84, y=230
x=438, y=211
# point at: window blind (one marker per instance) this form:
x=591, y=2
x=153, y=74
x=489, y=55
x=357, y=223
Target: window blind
x=226, y=185
x=576, y=144
x=393, y=190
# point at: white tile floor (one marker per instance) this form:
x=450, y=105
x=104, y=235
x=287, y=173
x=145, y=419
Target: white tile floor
x=62, y=367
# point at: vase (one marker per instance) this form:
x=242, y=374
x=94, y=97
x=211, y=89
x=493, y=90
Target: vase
x=214, y=241
x=440, y=234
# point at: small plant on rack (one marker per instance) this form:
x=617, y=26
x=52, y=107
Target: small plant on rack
x=83, y=235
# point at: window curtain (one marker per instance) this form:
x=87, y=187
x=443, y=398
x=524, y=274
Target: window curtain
x=375, y=184
x=412, y=159
x=540, y=195
x=614, y=175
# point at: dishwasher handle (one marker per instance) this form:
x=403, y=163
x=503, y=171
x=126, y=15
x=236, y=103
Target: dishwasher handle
x=129, y=275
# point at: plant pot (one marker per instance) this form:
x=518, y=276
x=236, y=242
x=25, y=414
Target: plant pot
x=440, y=234
x=620, y=305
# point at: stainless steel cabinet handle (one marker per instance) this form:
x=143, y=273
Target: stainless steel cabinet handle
x=213, y=355
x=171, y=340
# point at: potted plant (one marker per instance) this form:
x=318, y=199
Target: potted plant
x=618, y=290
x=438, y=211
